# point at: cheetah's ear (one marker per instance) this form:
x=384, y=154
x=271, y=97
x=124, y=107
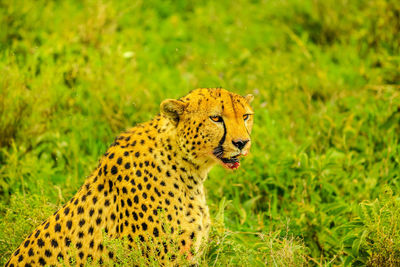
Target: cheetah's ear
x=249, y=98
x=172, y=109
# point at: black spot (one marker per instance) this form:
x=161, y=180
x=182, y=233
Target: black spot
x=113, y=216
x=81, y=255
x=37, y=233
x=110, y=184
x=41, y=261
x=92, y=243
x=91, y=229
x=54, y=243
x=26, y=244
x=30, y=252
x=144, y=226
x=124, y=190
x=20, y=258
x=48, y=253
x=144, y=207
x=66, y=211
x=82, y=222
x=192, y=235
x=107, y=203
x=98, y=220
x=69, y=224
x=129, y=201
x=60, y=256
x=67, y=241
x=135, y=216
x=171, y=194
x=138, y=173
x=57, y=227
x=132, y=181
x=79, y=245
x=81, y=234
x=94, y=200
x=155, y=232
x=137, y=154
x=100, y=187
x=136, y=199
x=111, y=255
x=40, y=242
x=157, y=192
x=127, y=165
x=114, y=170
x=91, y=212
x=105, y=169
x=119, y=161
x=16, y=252
x=165, y=247
x=80, y=210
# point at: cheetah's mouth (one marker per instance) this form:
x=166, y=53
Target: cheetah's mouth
x=232, y=162
x=229, y=163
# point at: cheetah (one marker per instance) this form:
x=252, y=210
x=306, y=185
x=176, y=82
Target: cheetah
x=148, y=185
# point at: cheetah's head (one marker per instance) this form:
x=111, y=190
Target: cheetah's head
x=213, y=125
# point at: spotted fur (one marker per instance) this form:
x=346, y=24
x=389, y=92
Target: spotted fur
x=154, y=168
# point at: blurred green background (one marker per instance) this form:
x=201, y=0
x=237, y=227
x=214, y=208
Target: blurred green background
x=322, y=184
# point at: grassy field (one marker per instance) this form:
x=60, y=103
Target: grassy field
x=322, y=184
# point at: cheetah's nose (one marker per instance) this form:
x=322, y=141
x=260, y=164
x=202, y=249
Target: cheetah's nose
x=240, y=143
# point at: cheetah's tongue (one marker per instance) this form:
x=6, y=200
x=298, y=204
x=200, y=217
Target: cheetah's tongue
x=233, y=165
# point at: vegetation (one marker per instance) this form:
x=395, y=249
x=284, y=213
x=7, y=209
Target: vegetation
x=322, y=184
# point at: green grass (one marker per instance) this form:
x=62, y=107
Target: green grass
x=322, y=184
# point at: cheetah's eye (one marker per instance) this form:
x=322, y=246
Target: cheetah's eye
x=246, y=117
x=216, y=118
